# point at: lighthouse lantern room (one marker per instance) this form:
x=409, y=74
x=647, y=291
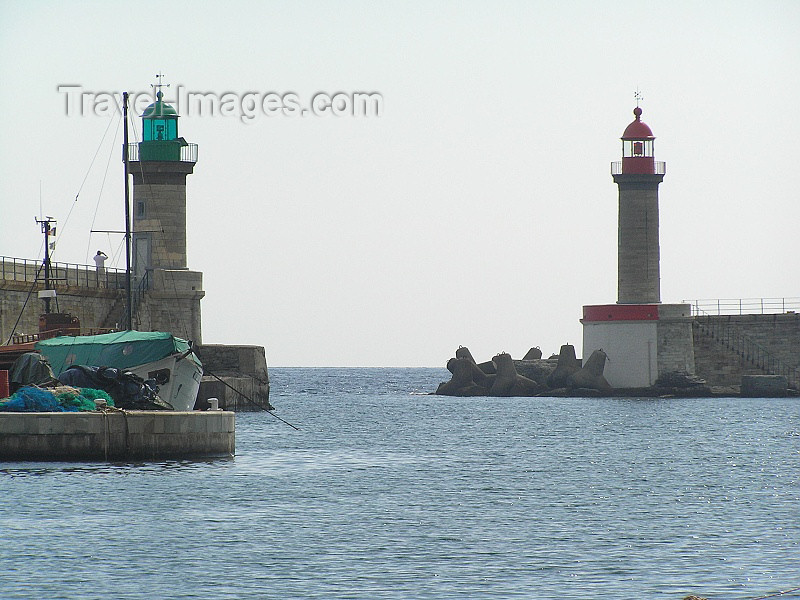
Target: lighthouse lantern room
x=637, y=147
x=159, y=121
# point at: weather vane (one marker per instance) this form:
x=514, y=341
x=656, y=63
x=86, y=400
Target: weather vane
x=157, y=86
x=638, y=96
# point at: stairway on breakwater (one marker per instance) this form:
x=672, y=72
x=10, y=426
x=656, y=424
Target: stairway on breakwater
x=727, y=347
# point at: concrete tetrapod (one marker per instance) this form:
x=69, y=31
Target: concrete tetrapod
x=510, y=383
x=461, y=383
x=567, y=365
x=591, y=375
x=534, y=353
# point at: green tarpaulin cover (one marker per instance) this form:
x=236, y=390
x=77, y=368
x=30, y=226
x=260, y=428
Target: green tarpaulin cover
x=123, y=350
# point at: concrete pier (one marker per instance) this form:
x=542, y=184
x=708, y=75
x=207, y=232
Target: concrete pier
x=116, y=435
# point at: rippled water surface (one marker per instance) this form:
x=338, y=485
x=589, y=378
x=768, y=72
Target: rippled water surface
x=386, y=492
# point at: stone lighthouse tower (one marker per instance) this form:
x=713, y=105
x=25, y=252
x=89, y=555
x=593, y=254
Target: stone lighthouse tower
x=167, y=294
x=159, y=190
x=638, y=176
x=643, y=338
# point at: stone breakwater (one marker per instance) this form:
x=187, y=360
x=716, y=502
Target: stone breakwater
x=565, y=375
x=531, y=376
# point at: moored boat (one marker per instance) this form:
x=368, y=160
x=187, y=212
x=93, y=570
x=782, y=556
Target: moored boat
x=160, y=356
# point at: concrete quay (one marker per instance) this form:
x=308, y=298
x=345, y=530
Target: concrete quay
x=116, y=435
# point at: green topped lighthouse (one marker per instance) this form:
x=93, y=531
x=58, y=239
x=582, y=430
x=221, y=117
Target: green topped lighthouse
x=166, y=293
x=159, y=165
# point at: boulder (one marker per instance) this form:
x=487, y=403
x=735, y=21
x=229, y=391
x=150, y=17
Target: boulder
x=679, y=379
x=538, y=370
x=764, y=386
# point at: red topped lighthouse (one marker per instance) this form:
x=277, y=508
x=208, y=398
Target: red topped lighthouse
x=642, y=337
x=638, y=176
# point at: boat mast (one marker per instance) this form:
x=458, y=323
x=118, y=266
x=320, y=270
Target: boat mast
x=129, y=309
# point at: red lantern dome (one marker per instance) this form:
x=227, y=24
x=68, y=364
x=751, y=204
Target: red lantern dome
x=637, y=147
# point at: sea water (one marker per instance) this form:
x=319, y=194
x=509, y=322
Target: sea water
x=388, y=492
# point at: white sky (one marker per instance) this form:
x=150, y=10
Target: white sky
x=478, y=210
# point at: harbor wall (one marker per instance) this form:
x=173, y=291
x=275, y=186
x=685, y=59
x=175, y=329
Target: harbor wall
x=97, y=308
x=241, y=368
x=675, y=343
x=721, y=361
x=116, y=435
x=170, y=302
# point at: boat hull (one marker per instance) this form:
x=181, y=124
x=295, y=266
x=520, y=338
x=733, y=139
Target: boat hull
x=182, y=376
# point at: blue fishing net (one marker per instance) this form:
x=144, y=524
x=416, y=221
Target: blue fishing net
x=33, y=399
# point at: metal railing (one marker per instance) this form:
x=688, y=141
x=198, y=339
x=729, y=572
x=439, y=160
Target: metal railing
x=61, y=274
x=744, y=306
x=660, y=168
x=188, y=153
x=732, y=338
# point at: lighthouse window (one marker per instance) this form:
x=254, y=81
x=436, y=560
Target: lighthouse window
x=140, y=208
x=638, y=148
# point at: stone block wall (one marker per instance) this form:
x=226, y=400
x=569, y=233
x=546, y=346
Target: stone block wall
x=142, y=435
x=159, y=211
x=778, y=334
x=675, y=343
x=638, y=252
x=96, y=308
x=234, y=393
x=234, y=360
x=171, y=304
x=242, y=368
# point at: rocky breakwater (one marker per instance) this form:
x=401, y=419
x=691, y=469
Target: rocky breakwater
x=530, y=376
x=558, y=376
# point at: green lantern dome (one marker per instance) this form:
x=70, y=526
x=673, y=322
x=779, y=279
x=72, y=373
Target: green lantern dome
x=159, y=107
x=159, y=121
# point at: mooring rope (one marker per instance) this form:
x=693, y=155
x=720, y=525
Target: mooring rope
x=261, y=406
x=772, y=595
x=776, y=594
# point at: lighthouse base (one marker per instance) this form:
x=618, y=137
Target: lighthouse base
x=642, y=341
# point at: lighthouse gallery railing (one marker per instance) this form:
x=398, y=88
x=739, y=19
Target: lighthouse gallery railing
x=188, y=153
x=660, y=167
